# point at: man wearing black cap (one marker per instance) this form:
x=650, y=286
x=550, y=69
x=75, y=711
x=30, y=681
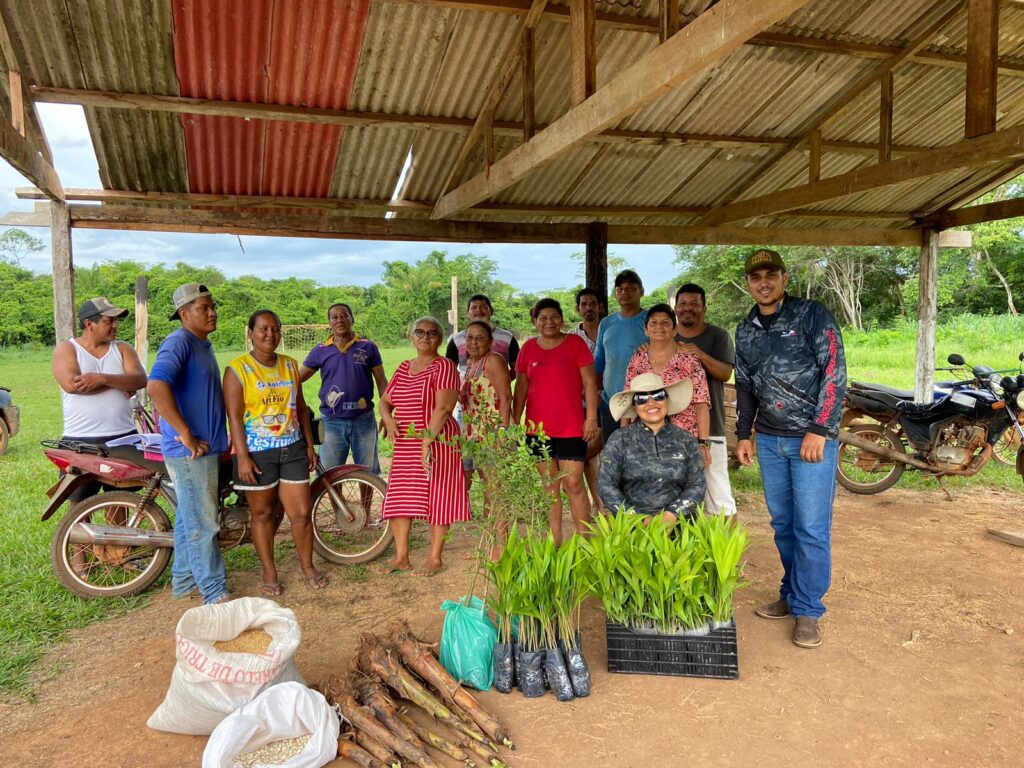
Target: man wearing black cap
x=185, y=385
x=97, y=375
x=790, y=382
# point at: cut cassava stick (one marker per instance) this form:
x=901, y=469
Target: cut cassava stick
x=373, y=695
x=377, y=749
x=439, y=743
x=357, y=755
x=419, y=657
x=376, y=659
x=363, y=719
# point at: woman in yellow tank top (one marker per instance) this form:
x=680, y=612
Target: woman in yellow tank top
x=273, y=446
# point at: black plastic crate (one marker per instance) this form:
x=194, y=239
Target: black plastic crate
x=712, y=655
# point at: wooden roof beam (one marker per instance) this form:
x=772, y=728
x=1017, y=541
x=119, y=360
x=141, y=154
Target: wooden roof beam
x=996, y=147
x=409, y=207
x=711, y=37
x=771, y=39
x=978, y=214
x=427, y=230
x=839, y=102
x=982, y=55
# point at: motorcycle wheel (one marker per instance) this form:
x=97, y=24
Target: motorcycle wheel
x=862, y=472
x=339, y=540
x=93, y=570
x=1005, y=448
x=5, y=437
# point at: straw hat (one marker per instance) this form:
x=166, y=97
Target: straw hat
x=679, y=395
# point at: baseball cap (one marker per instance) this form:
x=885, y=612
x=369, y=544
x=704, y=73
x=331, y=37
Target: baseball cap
x=186, y=294
x=100, y=306
x=763, y=257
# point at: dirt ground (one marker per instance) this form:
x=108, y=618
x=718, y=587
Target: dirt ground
x=922, y=661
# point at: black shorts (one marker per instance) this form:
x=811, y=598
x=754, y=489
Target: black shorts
x=560, y=448
x=276, y=465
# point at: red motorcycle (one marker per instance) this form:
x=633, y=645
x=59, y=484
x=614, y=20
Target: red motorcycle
x=118, y=542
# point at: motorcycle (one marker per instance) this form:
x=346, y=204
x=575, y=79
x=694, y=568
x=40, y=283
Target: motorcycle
x=10, y=419
x=118, y=542
x=957, y=434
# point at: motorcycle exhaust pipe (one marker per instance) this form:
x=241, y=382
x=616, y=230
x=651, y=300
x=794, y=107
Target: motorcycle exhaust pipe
x=851, y=438
x=118, y=536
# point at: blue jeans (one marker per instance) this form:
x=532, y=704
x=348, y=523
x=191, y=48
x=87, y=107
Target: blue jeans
x=358, y=434
x=799, y=497
x=197, y=558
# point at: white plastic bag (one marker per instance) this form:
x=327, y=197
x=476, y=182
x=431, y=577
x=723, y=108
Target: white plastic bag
x=207, y=685
x=283, y=711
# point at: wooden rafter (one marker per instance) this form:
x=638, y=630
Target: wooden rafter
x=978, y=214
x=885, y=118
x=529, y=85
x=713, y=35
x=770, y=39
x=413, y=208
x=297, y=225
x=982, y=58
x=249, y=111
x=970, y=153
x=839, y=102
x=23, y=116
x=668, y=11
x=582, y=51
x=507, y=65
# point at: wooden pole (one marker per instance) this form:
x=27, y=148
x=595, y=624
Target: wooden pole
x=454, y=312
x=885, y=120
x=597, y=258
x=142, y=323
x=927, y=311
x=63, y=271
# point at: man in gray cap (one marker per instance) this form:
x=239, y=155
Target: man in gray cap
x=185, y=386
x=97, y=375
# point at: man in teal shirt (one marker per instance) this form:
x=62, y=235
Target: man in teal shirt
x=617, y=339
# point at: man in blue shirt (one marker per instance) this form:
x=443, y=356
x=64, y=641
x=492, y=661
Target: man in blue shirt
x=185, y=386
x=618, y=336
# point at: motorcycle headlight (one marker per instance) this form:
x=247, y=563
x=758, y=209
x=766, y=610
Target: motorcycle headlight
x=1019, y=400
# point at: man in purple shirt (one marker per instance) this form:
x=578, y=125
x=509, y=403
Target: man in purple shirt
x=349, y=365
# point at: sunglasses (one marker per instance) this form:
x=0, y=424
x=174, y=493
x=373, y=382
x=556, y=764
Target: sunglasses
x=658, y=396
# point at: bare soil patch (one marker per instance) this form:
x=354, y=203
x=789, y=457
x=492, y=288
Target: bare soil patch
x=921, y=664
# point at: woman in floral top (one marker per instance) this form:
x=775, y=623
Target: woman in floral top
x=663, y=357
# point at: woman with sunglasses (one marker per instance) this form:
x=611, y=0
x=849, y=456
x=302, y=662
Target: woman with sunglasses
x=652, y=467
x=426, y=479
x=663, y=357
x=273, y=444
x=551, y=370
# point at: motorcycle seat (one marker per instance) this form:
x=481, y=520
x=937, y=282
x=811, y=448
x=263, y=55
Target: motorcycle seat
x=872, y=401
x=871, y=389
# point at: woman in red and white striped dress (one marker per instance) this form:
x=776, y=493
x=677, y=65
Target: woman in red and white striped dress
x=426, y=479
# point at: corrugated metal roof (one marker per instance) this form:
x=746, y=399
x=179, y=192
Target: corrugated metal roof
x=419, y=59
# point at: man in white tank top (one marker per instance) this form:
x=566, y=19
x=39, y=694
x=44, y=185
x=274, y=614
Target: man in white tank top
x=97, y=375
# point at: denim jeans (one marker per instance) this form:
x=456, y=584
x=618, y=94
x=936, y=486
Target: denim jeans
x=799, y=496
x=358, y=434
x=197, y=558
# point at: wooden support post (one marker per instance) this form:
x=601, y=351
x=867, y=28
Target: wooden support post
x=596, y=276
x=982, y=66
x=669, y=19
x=885, y=120
x=142, y=319
x=814, y=162
x=927, y=312
x=582, y=50
x=529, y=112
x=453, y=313
x=63, y=271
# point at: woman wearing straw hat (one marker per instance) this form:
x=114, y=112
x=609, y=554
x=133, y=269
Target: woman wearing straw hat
x=652, y=466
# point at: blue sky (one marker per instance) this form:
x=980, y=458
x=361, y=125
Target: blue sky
x=532, y=268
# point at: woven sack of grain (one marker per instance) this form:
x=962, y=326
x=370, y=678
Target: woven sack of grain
x=208, y=684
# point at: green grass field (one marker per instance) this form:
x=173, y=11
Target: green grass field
x=37, y=612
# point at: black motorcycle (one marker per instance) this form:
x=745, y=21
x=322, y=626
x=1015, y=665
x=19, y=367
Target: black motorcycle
x=957, y=434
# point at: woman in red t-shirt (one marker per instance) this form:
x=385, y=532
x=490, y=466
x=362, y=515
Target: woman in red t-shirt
x=550, y=372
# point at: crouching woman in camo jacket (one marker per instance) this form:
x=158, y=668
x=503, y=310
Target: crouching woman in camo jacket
x=652, y=466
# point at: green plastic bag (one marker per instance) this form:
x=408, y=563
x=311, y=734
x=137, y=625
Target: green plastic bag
x=467, y=642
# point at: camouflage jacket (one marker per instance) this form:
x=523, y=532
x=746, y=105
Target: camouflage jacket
x=651, y=473
x=792, y=375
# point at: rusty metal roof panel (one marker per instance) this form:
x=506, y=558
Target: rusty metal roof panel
x=115, y=46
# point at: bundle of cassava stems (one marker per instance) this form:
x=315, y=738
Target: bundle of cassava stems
x=383, y=734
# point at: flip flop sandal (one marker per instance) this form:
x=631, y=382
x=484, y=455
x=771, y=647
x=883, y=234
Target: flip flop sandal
x=316, y=581
x=271, y=590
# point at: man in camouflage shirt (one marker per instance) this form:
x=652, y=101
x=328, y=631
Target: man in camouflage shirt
x=790, y=382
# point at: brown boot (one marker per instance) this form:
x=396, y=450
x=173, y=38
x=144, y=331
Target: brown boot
x=806, y=633
x=777, y=610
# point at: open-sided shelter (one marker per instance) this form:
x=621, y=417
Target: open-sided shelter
x=811, y=122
